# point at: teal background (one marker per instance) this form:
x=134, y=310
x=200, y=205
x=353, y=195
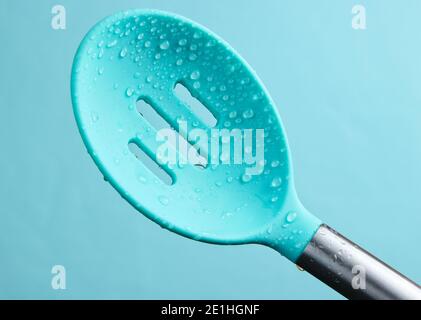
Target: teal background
x=351, y=105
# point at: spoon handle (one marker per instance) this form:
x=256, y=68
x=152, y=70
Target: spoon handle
x=352, y=271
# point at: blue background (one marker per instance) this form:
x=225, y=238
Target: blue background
x=351, y=104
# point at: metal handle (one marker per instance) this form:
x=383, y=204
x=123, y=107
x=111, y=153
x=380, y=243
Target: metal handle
x=352, y=271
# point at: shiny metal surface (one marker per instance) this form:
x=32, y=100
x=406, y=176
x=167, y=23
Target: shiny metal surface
x=352, y=271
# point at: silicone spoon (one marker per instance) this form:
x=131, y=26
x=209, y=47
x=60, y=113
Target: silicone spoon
x=142, y=55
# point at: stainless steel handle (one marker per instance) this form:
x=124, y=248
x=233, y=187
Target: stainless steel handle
x=352, y=271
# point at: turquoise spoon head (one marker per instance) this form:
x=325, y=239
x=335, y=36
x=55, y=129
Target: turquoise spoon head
x=141, y=56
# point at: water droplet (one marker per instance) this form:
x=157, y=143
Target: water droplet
x=141, y=179
x=129, y=92
x=94, y=117
x=248, y=114
x=291, y=216
x=245, y=81
x=195, y=75
x=192, y=57
x=182, y=42
x=100, y=53
x=276, y=182
x=224, y=157
x=274, y=163
x=245, y=178
x=123, y=52
x=232, y=114
x=226, y=214
x=163, y=200
x=164, y=45
x=179, y=62
x=112, y=43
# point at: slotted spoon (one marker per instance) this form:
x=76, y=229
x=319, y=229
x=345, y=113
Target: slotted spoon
x=142, y=55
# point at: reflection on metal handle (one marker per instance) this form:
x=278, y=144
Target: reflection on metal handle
x=352, y=271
